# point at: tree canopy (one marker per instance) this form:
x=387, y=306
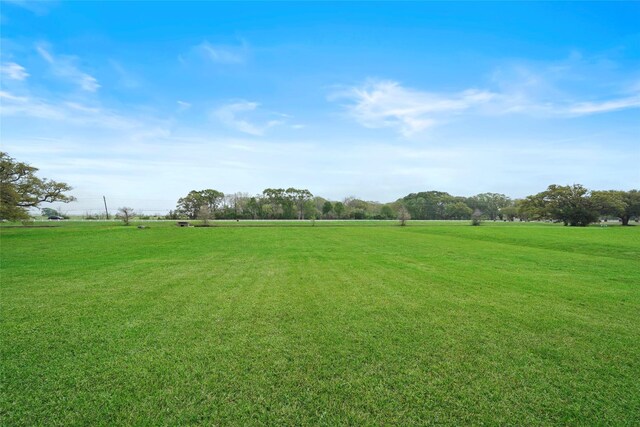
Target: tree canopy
x=191, y=204
x=572, y=205
x=620, y=204
x=21, y=189
x=576, y=205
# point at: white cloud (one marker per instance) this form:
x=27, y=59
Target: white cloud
x=13, y=71
x=604, y=106
x=64, y=67
x=13, y=105
x=228, y=114
x=37, y=7
x=558, y=88
x=234, y=115
x=222, y=54
x=378, y=104
x=68, y=112
x=372, y=170
x=183, y=105
x=10, y=97
x=389, y=104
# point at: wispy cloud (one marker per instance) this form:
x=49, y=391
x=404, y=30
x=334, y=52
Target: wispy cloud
x=64, y=66
x=387, y=103
x=15, y=105
x=234, y=115
x=378, y=104
x=571, y=87
x=221, y=54
x=37, y=7
x=68, y=112
x=605, y=106
x=108, y=164
x=13, y=71
x=183, y=105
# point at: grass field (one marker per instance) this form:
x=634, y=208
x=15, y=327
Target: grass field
x=337, y=324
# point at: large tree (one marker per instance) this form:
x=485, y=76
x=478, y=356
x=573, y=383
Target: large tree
x=490, y=204
x=621, y=204
x=429, y=204
x=571, y=204
x=277, y=203
x=386, y=212
x=299, y=198
x=530, y=208
x=286, y=204
x=212, y=199
x=327, y=207
x=509, y=213
x=254, y=207
x=21, y=189
x=458, y=210
x=236, y=205
x=190, y=204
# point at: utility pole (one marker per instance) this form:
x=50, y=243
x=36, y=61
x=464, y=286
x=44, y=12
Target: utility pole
x=105, y=206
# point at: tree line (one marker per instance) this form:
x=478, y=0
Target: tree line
x=573, y=205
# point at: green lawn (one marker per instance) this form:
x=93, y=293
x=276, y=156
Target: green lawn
x=337, y=324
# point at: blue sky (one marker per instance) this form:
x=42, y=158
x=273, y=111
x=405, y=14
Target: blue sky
x=143, y=102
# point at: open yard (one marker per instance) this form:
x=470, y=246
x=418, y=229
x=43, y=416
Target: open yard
x=337, y=324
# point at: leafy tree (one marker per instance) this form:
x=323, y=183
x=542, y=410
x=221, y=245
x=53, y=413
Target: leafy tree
x=338, y=208
x=416, y=205
x=387, y=212
x=309, y=210
x=299, y=199
x=358, y=214
x=21, y=189
x=509, y=213
x=429, y=204
x=531, y=208
x=621, y=204
x=289, y=203
x=572, y=205
x=190, y=204
x=458, y=210
x=632, y=209
x=212, y=199
x=327, y=208
x=361, y=209
x=254, y=207
x=236, y=205
x=277, y=199
x=489, y=203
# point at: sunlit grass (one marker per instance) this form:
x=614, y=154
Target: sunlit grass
x=512, y=324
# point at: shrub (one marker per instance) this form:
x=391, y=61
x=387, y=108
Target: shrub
x=476, y=217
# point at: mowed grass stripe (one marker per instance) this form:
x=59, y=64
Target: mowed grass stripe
x=611, y=242
x=315, y=326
